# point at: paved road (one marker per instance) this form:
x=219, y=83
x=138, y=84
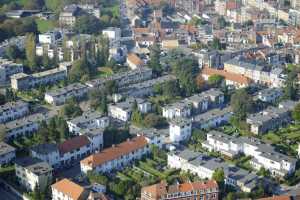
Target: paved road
x=5, y=195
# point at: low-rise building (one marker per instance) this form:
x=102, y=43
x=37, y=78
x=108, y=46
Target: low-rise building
x=7, y=69
x=25, y=126
x=13, y=110
x=204, y=166
x=212, y=118
x=88, y=120
x=22, y=81
x=178, y=109
x=123, y=110
x=116, y=157
x=188, y=190
x=263, y=155
x=113, y=33
x=269, y=119
x=134, y=62
x=67, y=190
x=61, y=95
x=32, y=173
x=270, y=95
x=180, y=129
x=48, y=153
x=7, y=153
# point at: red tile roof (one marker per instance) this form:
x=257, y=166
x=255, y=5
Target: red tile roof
x=115, y=152
x=73, y=144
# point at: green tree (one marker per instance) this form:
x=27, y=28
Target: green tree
x=153, y=120
x=230, y=196
x=80, y=68
x=215, y=80
x=2, y=99
x=219, y=177
x=37, y=195
x=111, y=87
x=241, y=103
x=30, y=45
x=154, y=61
x=296, y=113
x=34, y=4
x=87, y=24
x=2, y=133
x=71, y=109
x=13, y=52
x=137, y=117
x=171, y=88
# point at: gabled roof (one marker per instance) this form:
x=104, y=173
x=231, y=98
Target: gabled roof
x=69, y=188
x=73, y=144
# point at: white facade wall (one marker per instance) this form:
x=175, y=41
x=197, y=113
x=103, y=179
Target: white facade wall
x=180, y=133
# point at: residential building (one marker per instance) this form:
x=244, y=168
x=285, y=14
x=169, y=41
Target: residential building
x=68, y=16
x=145, y=88
x=283, y=197
x=208, y=190
x=180, y=129
x=13, y=110
x=67, y=190
x=117, y=156
x=212, y=118
x=32, y=173
x=154, y=136
x=134, y=62
x=190, y=6
x=269, y=119
x=7, y=69
x=270, y=95
x=204, y=166
x=25, y=126
x=61, y=95
x=212, y=98
x=50, y=37
x=22, y=81
x=231, y=79
x=178, y=109
x=123, y=78
x=88, y=120
x=112, y=33
x=122, y=110
x=263, y=155
x=7, y=153
x=48, y=153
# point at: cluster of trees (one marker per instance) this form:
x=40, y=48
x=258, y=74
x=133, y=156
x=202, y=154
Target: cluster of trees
x=55, y=130
x=71, y=109
x=186, y=70
x=168, y=89
x=154, y=61
x=15, y=27
x=113, y=135
x=8, y=96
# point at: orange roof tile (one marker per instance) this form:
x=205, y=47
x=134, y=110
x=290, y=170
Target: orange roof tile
x=227, y=75
x=73, y=143
x=133, y=58
x=115, y=152
x=69, y=188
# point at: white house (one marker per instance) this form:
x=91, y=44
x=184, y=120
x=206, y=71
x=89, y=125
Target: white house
x=61, y=95
x=116, y=157
x=13, y=110
x=49, y=37
x=32, y=172
x=123, y=110
x=7, y=153
x=178, y=109
x=88, y=120
x=67, y=190
x=113, y=33
x=180, y=129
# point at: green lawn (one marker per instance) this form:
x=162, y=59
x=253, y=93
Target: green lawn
x=44, y=25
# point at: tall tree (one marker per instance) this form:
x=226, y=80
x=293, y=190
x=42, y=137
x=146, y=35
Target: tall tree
x=30, y=46
x=154, y=61
x=219, y=177
x=296, y=113
x=241, y=103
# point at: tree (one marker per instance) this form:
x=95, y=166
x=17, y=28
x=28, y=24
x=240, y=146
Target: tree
x=37, y=195
x=200, y=82
x=10, y=95
x=215, y=80
x=230, y=196
x=80, y=68
x=153, y=120
x=154, y=61
x=71, y=109
x=13, y=52
x=171, y=88
x=241, y=103
x=222, y=22
x=111, y=87
x=290, y=89
x=296, y=113
x=137, y=117
x=87, y=24
x=2, y=99
x=30, y=45
x=34, y=4
x=219, y=177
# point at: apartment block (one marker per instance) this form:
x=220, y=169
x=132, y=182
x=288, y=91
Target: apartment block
x=117, y=156
x=208, y=190
x=180, y=129
x=7, y=69
x=263, y=155
x=178, y=109
x=13, y=110
x=270, y=95
x=22, y=81
x=32, y=172
x=204, y=166
x=7, y=153
x=60, y=96
x=122, y=110
x=25, y=126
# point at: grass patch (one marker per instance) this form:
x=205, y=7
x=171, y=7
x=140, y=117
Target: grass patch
x=44, y=25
